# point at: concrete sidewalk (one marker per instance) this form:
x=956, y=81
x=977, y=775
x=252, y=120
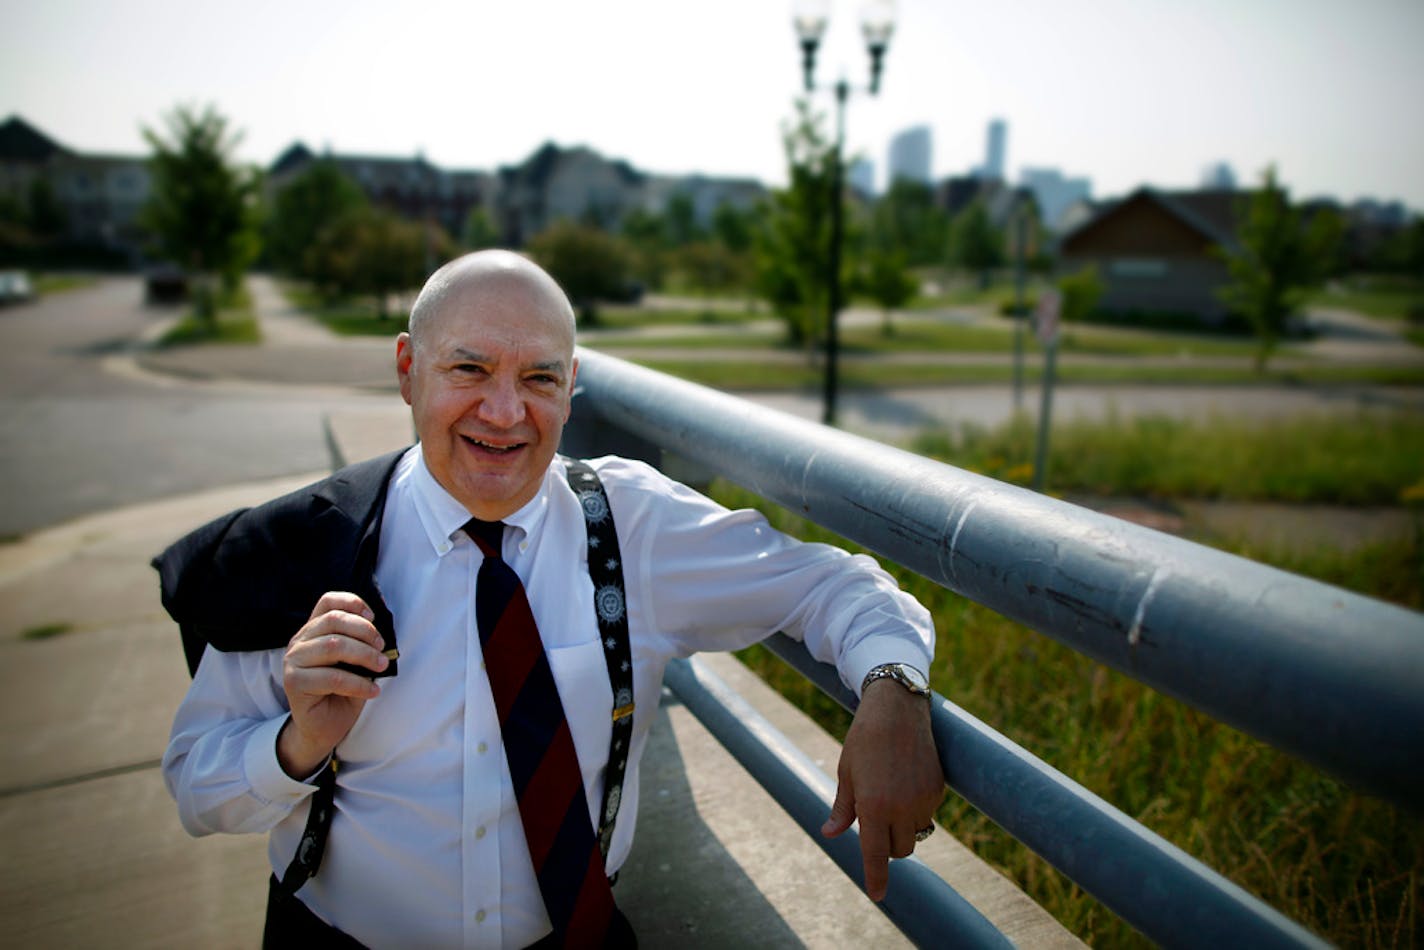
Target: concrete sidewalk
x=92, y=672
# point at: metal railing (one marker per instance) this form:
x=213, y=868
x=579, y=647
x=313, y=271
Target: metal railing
x=1331, y=677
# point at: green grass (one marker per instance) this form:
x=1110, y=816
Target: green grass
x=235, y=323
x=912, y=335
x=59, y=283
x=1349, y=867
x=714, y=313
x=917, y=335
x=1364, y=460
x=354, y=317
x=750, y=374
x=1390, y=298
x=356, y=321
x=46, y=631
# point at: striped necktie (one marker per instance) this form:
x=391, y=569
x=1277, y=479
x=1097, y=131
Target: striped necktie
x=540, y=751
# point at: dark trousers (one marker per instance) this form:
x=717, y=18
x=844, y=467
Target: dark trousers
x=292, y=926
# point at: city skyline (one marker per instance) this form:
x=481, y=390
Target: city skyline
x=1122, y=94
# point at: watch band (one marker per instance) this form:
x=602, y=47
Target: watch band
x=903, y=673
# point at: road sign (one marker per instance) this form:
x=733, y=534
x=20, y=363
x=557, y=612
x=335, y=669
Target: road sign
x=1045, y=316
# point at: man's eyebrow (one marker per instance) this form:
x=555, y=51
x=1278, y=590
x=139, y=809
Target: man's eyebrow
x=461, y=354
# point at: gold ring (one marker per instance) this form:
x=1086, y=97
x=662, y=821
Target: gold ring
x=924, y=833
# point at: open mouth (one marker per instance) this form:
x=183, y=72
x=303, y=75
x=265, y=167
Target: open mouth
x=492, y=448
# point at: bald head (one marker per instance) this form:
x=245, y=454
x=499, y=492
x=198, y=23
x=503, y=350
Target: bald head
x=488, y=369
x=491, y=274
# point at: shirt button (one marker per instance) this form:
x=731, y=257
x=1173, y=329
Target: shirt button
x=523, y=546
x=480, y=833
x=479, y=916
x=481, y=748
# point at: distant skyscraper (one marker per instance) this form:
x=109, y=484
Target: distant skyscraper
x=1219, y=175
x=910, y=156
x=862, y=176
x=1054, y=193
x=994, y=149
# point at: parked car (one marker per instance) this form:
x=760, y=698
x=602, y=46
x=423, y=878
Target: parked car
x=165, y=283
x=15, y=286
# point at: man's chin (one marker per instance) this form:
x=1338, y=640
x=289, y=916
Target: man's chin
x=492, y=495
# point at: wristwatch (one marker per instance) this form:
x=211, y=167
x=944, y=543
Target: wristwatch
x=902, y=673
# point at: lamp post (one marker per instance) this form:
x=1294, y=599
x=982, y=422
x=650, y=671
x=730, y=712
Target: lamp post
x=877, y=22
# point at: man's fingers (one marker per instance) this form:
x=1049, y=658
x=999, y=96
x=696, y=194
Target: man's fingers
x=874, y=853
x=842, y=811
x=329, y=681
x=341, y=600
x=902, y=841
x=346, y=623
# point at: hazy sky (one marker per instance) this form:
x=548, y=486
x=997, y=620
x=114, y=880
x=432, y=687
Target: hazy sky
x=1123, y=91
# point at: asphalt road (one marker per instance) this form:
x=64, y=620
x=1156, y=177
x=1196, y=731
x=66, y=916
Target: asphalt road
x=76, y=439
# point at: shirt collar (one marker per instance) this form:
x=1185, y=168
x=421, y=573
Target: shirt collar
x=442, y=517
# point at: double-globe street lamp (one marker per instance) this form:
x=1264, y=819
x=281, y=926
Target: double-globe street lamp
x=877, y=23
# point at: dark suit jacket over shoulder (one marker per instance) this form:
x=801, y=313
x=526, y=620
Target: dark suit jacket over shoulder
x=249, y=580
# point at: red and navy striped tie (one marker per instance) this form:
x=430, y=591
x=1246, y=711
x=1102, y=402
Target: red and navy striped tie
x=540, y=751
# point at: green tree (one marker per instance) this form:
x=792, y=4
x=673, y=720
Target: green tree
x=43, y=213
x=680, y=221
x=1080, y=294
x=590, y=264
x=975, y=244
x=793, y=244
x=371, y=251
x=907, y=221
x=1278, y=258
x=889, y=283
x=317, y=198
x=202, y=211
x=733, y=227
x=710, y=266
x=646, y=234
x=480, y=230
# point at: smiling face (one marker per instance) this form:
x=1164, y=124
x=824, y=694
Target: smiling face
x=489, y=376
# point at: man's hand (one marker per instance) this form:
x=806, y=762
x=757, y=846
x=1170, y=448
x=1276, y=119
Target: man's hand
x=326, y=701
x=890, y=779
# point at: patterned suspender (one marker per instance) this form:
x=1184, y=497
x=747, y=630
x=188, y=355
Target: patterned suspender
x=605, y=567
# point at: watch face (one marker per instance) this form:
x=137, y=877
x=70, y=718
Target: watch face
x=914, y=677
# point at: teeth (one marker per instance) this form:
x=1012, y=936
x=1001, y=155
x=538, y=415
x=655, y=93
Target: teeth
x=493, y=448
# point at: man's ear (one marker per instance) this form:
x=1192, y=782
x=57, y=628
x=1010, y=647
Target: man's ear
x=405, y=359
x=573, y=384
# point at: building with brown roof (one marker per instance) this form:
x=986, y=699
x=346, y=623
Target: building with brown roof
x=1155, y=251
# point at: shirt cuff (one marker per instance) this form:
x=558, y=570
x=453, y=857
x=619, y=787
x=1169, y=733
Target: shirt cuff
x=874, y=651
x=264, y=772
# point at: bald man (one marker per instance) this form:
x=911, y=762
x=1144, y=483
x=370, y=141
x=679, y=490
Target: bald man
x=429, y=836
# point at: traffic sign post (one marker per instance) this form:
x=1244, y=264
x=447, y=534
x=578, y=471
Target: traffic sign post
x=1045, y=315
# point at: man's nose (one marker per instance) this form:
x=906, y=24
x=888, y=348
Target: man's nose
x=501, y=405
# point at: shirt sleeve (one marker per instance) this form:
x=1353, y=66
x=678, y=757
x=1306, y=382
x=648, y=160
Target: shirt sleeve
x=221, y=762
x=721, y=580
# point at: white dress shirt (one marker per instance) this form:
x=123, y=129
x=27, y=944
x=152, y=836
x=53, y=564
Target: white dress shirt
x=426, y=846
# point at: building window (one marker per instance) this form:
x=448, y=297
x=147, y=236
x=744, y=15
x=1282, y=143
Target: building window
x=1138, y=268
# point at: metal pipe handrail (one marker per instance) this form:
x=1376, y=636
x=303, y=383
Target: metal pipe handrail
x=1156, y=887
x=1327, y=675
x=918, y=901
